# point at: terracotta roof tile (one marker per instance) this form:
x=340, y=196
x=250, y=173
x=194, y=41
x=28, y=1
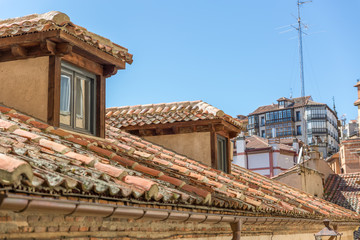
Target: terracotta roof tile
x=297, y=102
x=126, y=166
x=121, y=117
x=55, y=20
x=344, y=190
x=256, y=142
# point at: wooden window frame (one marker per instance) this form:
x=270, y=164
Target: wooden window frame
x=75, y=72
x=54, y=88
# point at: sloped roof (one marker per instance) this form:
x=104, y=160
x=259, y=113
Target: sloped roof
x=333, y=157
x=162, y=113
x=344, y=190
x=55, y=20
x=297, y=102
x=36, y=158
x=294, y=169
x=257, y=142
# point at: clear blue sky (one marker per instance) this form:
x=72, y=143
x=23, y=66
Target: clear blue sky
x=230, y=53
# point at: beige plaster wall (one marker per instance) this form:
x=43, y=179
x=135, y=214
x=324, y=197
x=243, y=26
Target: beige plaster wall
x=292, y=179
x=194, y=145
x=312, y=183
x=24, y=86
x=321, y=166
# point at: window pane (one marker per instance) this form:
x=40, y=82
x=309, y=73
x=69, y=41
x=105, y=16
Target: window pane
x=221, y=153
x=82, y=100
x=65, y=99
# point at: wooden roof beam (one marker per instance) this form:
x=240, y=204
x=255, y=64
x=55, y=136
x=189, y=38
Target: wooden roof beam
x=18, y=51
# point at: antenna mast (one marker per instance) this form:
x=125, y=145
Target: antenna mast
x=300, y=33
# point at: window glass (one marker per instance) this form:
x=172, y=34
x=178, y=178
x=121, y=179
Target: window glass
x=65, y=99
x=222, y=154
x=82, y=102
x=77, y=102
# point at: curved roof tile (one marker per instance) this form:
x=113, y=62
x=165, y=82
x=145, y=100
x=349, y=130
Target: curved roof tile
x=124, y=166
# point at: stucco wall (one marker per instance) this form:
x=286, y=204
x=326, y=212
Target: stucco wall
x=194, y=145
x=321, y=166
x=260, y=160
x=313, y=183
x=283, y=161
x=292, y=179
x=24, y=86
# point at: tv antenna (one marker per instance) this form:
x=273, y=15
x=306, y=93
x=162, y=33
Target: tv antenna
x=300, y=34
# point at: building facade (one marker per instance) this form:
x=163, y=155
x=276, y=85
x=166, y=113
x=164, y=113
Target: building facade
x=268, y=158
x=311, y=122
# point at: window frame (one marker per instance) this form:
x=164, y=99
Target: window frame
x=222, y=154
x=78, y=73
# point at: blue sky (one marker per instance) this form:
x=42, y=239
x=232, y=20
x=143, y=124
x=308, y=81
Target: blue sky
x=229, y=53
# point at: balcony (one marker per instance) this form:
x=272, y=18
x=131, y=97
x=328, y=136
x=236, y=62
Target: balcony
x=288, y=119
x=317, y=131
x=253, y=125
x=316, y=116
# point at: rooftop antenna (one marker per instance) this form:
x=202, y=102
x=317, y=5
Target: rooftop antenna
x=333, y=98
x=291, y=93
x=301, y=58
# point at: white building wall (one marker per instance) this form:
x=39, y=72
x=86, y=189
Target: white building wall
x=284, y=161
x=263, y=172
x=260, y=160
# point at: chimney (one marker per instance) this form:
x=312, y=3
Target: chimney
x=240, y=157
x=295, y=145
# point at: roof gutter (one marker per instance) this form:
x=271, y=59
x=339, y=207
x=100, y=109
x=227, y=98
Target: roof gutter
x=25, y=204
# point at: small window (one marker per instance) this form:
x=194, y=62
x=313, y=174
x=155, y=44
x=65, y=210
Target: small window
x=263, y=133
x=297, y=115
x=298, y=130
x=262, y=121
x=222, y=154
x=77, y=99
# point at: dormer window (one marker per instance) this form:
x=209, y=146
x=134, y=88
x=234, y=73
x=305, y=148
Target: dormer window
x=77, y=99
x=282, y=103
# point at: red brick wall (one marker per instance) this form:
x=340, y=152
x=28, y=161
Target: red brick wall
x=349, y=159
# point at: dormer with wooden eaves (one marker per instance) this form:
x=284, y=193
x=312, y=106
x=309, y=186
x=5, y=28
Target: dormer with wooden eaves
x=55, y=71
x=194, y=128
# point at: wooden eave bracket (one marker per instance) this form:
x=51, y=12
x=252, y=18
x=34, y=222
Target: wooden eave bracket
x=58, y=43
x=52, y=48
x=109, y=70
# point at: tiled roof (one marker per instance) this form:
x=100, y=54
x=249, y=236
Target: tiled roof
x=162, y=113
x=36, y=158
x=344, y=190
x=298, y=102
x=333, y=157
x=297, y=168
x=256, y=142
x=55, y=20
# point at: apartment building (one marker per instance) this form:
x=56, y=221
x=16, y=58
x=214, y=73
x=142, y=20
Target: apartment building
x=311, y=122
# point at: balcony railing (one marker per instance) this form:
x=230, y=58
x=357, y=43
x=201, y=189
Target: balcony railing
x=315, y=116
x=253, y=125
x=317, y=130
x=288, y=119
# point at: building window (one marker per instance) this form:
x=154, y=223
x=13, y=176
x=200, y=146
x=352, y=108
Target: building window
x=262, y=121
x=298, y=130
x=263, y=133
x=298, y=116
x=77, y=99
x=222, y=154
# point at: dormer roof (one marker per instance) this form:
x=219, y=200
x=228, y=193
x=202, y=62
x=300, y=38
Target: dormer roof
x=285, y=99
x=162, y=113
x=58, y=21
